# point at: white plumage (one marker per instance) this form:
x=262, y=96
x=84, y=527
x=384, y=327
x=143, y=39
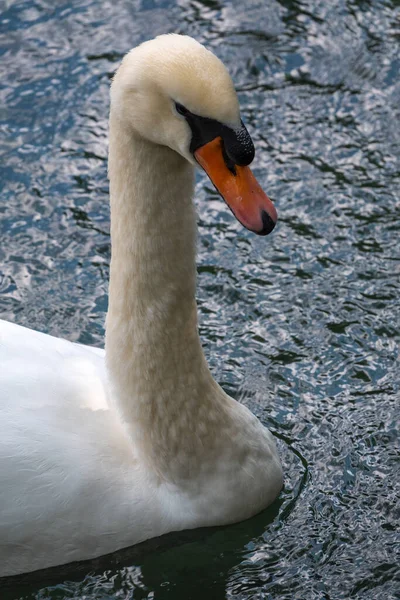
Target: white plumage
x=103, y=449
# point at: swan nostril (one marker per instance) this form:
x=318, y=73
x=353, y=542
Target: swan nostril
x=268, y=223
x=228, y=161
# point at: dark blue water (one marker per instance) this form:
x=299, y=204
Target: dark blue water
x=302, y=327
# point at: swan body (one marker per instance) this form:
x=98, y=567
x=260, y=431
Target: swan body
x=104, y=449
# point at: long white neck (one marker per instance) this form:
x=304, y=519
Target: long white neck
x=163, y=389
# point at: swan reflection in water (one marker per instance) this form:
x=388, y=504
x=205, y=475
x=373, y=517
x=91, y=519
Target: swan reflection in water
x=182, y=563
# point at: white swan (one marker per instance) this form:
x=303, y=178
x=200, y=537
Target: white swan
x=101, y=450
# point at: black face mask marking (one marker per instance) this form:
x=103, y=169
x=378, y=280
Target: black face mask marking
x=238, y=148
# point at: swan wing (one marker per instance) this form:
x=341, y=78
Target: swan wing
x=69, y=482
x=40, y=370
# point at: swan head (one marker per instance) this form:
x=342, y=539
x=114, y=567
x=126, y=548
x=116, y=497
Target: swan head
x=174, y=92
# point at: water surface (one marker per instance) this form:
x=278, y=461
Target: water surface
x=302, y=326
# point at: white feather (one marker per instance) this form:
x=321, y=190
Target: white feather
x=101, y=450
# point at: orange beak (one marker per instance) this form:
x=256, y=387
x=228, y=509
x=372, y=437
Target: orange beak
x=240, y=189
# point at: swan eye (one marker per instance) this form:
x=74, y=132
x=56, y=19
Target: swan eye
x=181, y=109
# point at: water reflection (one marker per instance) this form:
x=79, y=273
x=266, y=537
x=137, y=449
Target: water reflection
x=197, y=562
